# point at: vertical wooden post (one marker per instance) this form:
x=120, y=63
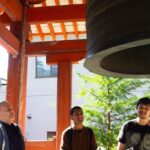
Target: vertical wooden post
x=12, y=83
x=63, y=98
x=17, y=72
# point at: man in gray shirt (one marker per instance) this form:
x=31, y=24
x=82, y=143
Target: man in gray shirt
x=135, y=134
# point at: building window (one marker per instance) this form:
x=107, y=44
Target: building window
x=43, y=70
x=51, y=135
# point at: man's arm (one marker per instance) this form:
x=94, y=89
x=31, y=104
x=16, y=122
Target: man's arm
x=120, y=146
x=1, y=139
x=93, y=145
x=122, y=138
x=65, y=145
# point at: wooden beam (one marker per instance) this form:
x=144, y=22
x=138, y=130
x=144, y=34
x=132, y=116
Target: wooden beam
x=40, y=145
x=52, y=31
x=70, y=1
x=13, y=8
x=84, y=1
x=57, y=2
x=64, y=31
x=1, y=11
x=17, y=75
x=40, y=32
x=42, y=48
x=76, y=29
x=58, y=33
x=48, y=14
x=5, y=19
x=56, y=13
x=8, y=40
x=72, y=57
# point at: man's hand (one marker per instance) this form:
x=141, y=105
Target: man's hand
x=120, y=146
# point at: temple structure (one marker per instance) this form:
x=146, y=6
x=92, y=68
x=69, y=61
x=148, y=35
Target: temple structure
x=53, y=22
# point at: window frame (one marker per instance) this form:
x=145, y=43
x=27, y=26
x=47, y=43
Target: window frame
x=51, y=75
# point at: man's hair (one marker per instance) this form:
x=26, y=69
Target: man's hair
x=4, y=103
x=144, y=101
x=73, y=109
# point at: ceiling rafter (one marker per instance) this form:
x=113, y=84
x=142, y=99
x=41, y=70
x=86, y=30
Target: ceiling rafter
x=40, y=32
x=13, y=8
x=58, y=33
x=57, y=2
x=52, y=31
x=44, y=4
x=84, y=1
x=64, y=31
x=70, y=1
x=76, y=29
x=54, y=34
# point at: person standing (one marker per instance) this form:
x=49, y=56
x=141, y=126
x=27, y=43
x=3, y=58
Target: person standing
x=10, y=134
x=78, y=137
x=135, y=134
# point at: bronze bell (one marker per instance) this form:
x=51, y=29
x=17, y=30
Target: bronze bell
x=118, y=37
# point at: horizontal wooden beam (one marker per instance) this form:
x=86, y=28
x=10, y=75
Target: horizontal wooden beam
x=56, y=13
x=48, y=14
x=53, y=47
x=40, y=145
x=13, y=8
x=73, y=57
x=4, y=18
x=8, y=40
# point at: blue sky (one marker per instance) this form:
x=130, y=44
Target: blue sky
x=3, y=62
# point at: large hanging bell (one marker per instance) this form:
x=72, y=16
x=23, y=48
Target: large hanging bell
x=118, y=37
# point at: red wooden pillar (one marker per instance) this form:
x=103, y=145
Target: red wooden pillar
x=17, y=74
x=63, y=98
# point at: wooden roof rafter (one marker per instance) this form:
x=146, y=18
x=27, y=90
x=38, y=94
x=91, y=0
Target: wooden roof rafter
x=57, y=2
x=40, y=32
x=44, y=4
x=70, y=1
x=64, y=31
x=76, y=29
x=52, y=31
x=56, y=34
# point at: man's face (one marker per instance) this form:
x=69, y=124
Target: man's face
x=77, y=116
x=6, y=113
x=143, y=111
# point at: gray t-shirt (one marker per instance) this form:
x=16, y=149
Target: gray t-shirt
x=135, y=136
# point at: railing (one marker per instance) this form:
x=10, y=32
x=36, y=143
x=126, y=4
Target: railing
x=40, y=145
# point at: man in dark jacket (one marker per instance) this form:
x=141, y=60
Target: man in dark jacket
x=10, y=134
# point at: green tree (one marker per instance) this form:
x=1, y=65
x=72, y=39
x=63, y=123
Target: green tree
x=109, y=102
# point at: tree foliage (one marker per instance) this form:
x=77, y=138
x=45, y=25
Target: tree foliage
x=109, y=102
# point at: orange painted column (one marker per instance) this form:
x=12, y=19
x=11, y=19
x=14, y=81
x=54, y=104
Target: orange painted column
x=17, y=75
x=13, y=83
x=63, y=98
